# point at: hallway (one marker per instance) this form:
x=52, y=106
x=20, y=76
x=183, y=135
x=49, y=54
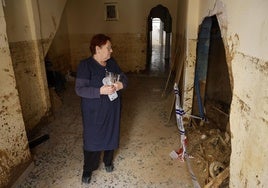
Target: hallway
x=141, y=161
x=158, y=65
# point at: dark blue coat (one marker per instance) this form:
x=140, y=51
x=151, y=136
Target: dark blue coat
x=101, y=117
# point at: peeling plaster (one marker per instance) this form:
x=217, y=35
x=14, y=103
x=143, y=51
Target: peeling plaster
x=233, y=42
x=219, y=9
x=230, y=46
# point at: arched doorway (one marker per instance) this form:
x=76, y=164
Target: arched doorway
x=158, y=39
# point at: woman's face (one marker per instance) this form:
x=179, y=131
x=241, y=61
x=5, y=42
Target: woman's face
x=105, y=51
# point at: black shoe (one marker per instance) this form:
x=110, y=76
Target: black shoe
x=86, y=179
x=109, y=168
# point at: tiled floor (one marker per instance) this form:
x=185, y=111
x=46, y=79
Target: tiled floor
x=142, y=159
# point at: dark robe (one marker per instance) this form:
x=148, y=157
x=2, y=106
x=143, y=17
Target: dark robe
x=101, y=117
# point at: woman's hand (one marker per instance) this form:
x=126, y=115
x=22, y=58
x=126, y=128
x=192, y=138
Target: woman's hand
x=118, y=85
x=107, y=89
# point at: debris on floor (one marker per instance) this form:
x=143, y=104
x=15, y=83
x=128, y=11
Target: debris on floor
x=211, y=149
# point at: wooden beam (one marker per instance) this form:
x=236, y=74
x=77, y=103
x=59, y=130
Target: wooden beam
x=217, y=181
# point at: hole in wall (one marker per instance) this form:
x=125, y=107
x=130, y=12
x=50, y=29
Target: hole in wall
x=211, y=100
x=212, y=89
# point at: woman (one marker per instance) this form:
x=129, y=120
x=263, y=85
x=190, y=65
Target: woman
x=100, y=112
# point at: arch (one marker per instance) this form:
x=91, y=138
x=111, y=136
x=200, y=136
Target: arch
x=161, y=12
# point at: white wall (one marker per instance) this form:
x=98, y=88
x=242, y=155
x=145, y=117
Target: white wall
x=248, y=41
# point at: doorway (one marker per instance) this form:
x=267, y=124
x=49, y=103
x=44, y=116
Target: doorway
x=158, y=40
x=157, y=63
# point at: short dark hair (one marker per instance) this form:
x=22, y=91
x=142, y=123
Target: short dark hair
x=98, y=40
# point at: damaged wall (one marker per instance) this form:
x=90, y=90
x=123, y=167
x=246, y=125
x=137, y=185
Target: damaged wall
x=31, y=26
x=14, y=151
x=128, y=33
x=243, y=25
x=247, y=44
x=249, y=122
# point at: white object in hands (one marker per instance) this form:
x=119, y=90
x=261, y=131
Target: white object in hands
x=113, y=96
x=110, y=79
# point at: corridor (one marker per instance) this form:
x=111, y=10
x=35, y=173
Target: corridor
x=141, y=161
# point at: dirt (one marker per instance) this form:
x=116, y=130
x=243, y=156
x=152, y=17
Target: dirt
x=208, y=141
x=207, y=144
x=210, y=147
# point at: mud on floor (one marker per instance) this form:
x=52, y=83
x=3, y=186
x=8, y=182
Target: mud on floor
x=210, y=148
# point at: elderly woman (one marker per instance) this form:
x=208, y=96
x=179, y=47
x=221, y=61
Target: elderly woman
x=100, y=104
